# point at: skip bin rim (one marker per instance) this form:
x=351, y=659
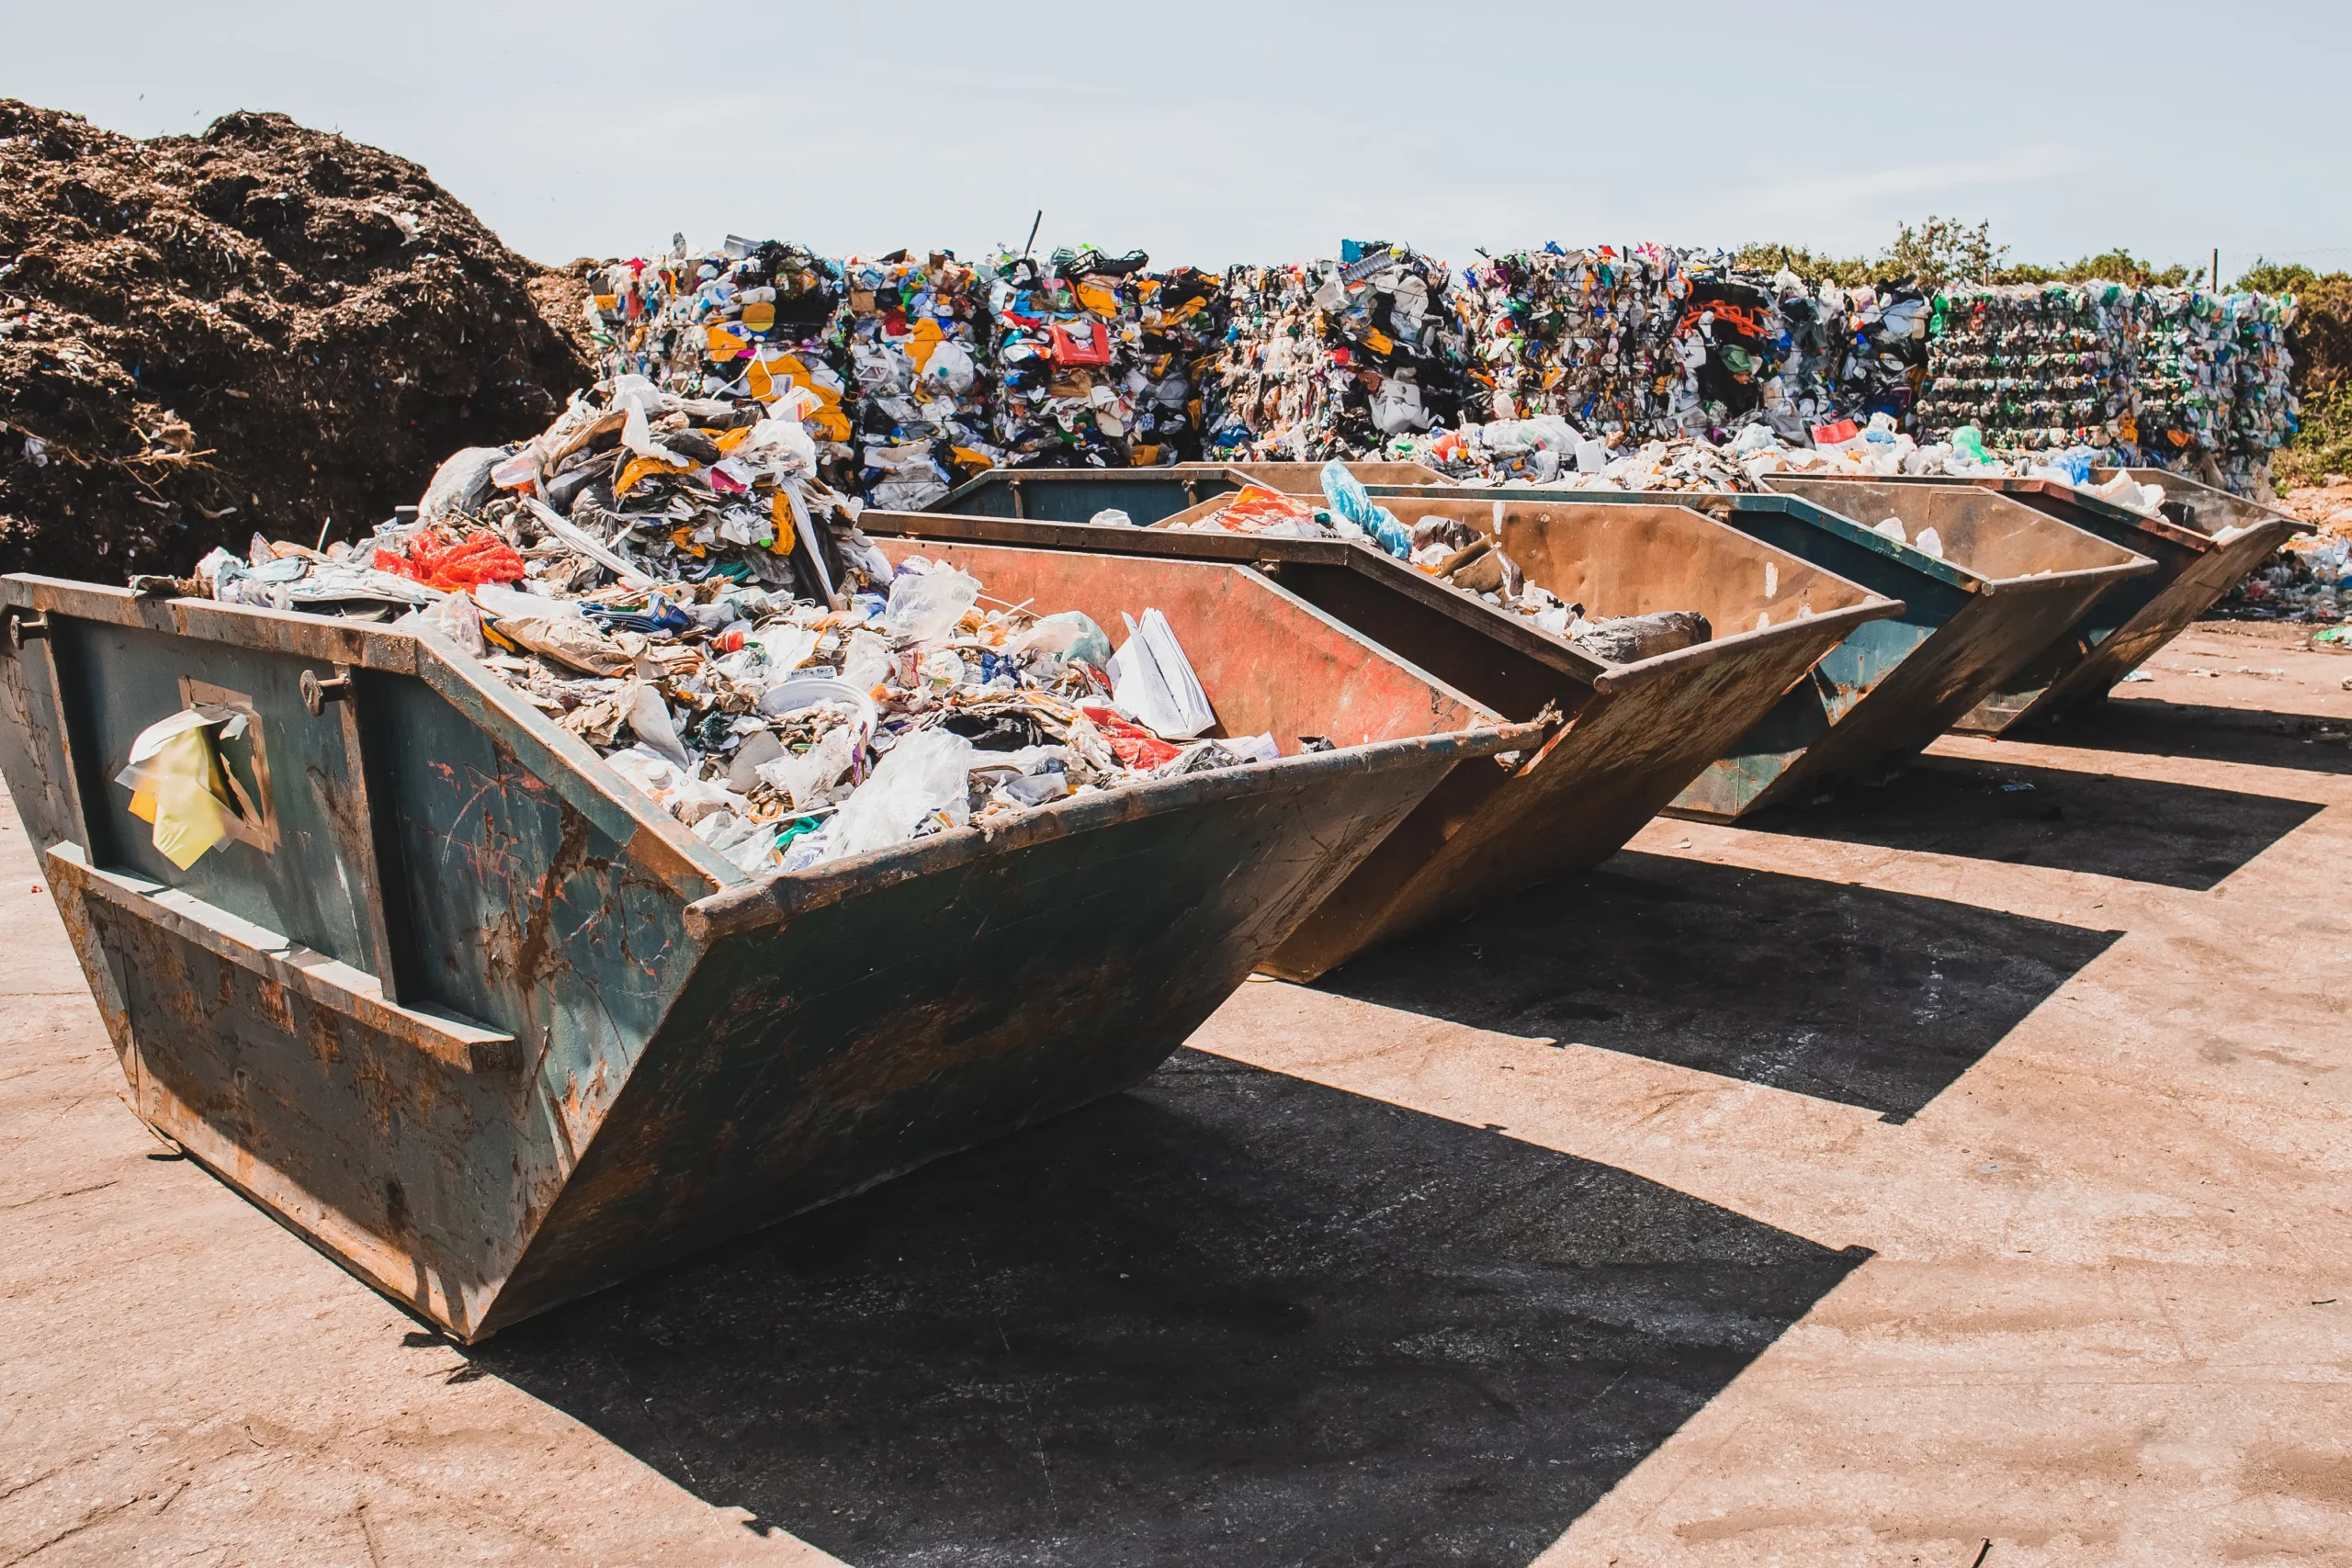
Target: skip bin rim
x=1189, y=475
x=2175, y=483
x=1515, y=631
x=1837, y=523
x=382, y=648
x=566, y=764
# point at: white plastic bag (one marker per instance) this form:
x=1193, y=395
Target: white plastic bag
x=925, y=606
x=807, y=777
x=926, y=773
x=1151, y=679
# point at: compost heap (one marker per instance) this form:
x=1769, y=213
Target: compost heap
x=262, y=327
x=709, y=620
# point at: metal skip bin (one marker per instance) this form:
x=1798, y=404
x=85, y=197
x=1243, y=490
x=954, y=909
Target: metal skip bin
x=2205, y=543
x=1073, y=495
x=1306, y=478
x=476, y=1018
x=1146, y=495
x=1632, y=735
x=2006, y=580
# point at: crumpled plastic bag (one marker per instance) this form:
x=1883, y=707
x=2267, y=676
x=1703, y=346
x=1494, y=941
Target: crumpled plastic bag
x=925, y=775
x=1067, y=635
x=177, y=783
x=1352, y=503
x=1151, y=679
x=461, y=484
x=456, y=617
x=925, y=604
x=807, y=777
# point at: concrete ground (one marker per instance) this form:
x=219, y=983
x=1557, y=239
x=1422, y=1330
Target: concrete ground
x=1957, y=1175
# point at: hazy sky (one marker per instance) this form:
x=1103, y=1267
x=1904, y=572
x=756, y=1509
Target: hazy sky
x=1213, y=132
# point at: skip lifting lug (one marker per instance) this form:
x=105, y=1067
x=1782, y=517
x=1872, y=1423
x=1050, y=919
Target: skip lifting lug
x=318, y=693
x=26, y=625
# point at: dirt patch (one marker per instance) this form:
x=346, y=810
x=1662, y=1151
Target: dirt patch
x=253, y=330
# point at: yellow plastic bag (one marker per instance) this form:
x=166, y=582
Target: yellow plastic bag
x=177, y=783
x=924, y=343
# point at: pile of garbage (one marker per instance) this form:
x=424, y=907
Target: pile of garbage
x=748, y=323
x=2211, y=384
x=914, y=336
x=2174, y=377
x=2310, y=579
x=753, y=663
x=1337, y=358
x=1095, y=356
x=1584, y=335
x=260, y=327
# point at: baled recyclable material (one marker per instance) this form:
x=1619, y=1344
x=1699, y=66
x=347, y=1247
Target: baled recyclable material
x=916, y=338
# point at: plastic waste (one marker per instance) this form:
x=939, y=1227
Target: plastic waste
x=1627, y=639
x=1151, y=679
x=1351, y=504
x=927, y=601
x=177, y=784
x=925, y=775
x=1068, y=634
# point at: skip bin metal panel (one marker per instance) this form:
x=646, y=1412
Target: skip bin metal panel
x=1073, y=495
x=1146, y=495
x=2023, y=578
x=1892, y=685
x=2201, y=550
x=1306, y=478
x=627, y=997
x=1632, y=733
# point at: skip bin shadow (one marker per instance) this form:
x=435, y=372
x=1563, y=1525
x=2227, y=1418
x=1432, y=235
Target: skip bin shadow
x=2155, y=728
x=2140, y=829
x=1872, y=998
x=1231, y=1317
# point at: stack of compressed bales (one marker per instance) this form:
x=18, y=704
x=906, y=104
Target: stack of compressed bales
x=1588, y=335
x=914, y=335
x=1335, y=358
x=2031, y=367
x=749, y=323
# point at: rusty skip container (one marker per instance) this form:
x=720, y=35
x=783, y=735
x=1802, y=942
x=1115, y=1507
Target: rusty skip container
x=1073, y=495
x=482, y=1023
x=2007, y=580
x=1893, y=683
x=2205, y=543
x=1632, y=735
x=1306, y=478
x=1146, y=495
